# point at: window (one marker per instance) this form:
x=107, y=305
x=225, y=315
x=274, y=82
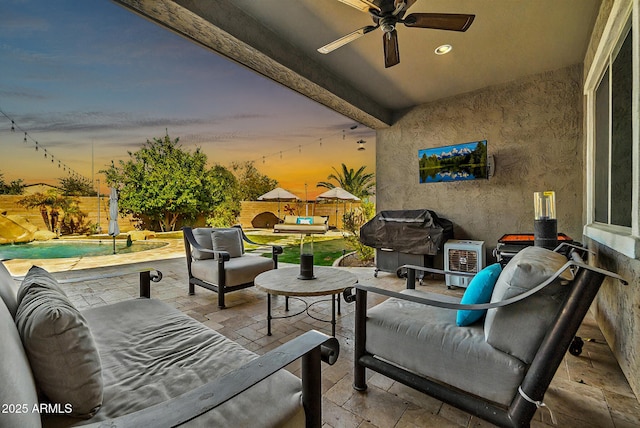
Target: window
x=613, y=128
x=613, y=154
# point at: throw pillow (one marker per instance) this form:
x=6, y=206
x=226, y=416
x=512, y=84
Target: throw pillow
x=38, y=278
x=202, y=236
x=59, y=345
x=518, y=329
x=304, y=220
x=478, y=291
x=227, y=240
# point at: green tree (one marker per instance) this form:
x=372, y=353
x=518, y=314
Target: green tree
x=251, y=183
x=166, y=184
x=353, y=220
x=59, y=212
x=15, y=187
x=227, y=210
x=359, y=183
x=48, y=203
x=72, y=186
x=74, y=220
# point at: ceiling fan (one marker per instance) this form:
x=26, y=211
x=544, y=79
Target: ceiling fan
x=387, y=14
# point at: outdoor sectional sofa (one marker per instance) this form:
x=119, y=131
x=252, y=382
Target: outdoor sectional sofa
x=142, y=363
x=497, y=368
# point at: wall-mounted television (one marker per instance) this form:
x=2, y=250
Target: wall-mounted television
x=459, y=162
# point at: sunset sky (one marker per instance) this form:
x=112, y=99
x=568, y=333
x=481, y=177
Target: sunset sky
x=90, y=81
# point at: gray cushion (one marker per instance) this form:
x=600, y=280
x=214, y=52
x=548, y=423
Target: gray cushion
x=18, y=386
x=518, y=329
x=228, y=240
x=38, y=278
x=426, y=340
x=59, y=345
x=152, y=352
x=203, y=237
x=8, y=290
x=239, y=270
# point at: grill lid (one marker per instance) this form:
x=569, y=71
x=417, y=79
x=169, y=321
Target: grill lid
x=407, y=231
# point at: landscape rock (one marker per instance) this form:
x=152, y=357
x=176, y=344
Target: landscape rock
x=16, y=229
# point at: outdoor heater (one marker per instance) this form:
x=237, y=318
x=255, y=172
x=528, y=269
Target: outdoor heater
x=545, y=226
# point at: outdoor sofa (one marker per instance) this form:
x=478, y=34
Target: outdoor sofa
x=142, y=363
x=497, y=367
x=302, y=225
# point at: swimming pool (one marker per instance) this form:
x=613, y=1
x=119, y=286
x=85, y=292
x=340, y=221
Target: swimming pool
x=67, y=249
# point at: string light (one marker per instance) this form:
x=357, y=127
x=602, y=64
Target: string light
x=74, y=173
x=47, y=154
x=300, y=146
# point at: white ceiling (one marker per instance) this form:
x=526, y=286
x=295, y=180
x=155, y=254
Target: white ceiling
x=508, y=39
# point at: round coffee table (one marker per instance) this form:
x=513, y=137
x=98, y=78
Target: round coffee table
x=284, y=282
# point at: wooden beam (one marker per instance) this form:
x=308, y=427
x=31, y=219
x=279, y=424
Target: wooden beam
x=225, y=29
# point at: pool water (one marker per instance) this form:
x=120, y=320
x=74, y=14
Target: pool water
x=62, y=249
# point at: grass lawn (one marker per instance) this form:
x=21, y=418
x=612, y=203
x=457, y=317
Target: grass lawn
x=325, y=251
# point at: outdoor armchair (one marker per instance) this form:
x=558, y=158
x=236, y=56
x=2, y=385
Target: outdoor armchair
x=216, y=260
x=498, y=367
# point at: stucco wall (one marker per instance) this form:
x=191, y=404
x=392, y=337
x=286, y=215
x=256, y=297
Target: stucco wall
x=617, y=311
x=533, y=128
x=617, y=308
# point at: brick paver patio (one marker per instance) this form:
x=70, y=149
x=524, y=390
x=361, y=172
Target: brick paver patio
x=587, y=391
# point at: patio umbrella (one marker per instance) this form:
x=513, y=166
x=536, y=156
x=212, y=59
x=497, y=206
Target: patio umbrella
x=114, y=229
x=337, y=194
x=278, y=194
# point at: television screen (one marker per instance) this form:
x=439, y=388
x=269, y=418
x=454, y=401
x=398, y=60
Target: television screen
x=459, y=162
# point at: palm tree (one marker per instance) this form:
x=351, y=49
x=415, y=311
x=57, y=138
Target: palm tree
x=358, y=182
x=48, y=202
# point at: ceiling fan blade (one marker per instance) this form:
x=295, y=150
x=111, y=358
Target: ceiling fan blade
x=391, y=52
x=330, y=47
x=440, y=21
x=363, y=5
x=407, y=4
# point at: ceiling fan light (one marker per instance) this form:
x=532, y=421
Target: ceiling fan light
x=443, y=49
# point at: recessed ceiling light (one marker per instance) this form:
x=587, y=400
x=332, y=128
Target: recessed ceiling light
x=441, y=50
